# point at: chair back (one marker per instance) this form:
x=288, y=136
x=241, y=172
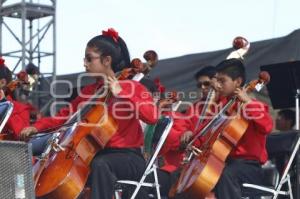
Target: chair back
x=6, y=109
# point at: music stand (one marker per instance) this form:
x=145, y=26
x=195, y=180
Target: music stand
x=284, y=86
x=284, y=92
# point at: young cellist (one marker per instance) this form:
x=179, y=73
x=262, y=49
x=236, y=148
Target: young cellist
x=206, y=83
x=107, y=54
x=20, y=116
x=243, y=165
x=244, y=162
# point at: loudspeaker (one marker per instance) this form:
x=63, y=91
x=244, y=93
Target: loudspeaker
x=16, y=181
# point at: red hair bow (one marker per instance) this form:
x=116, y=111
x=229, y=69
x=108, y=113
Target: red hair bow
x=2, y=61
x=111, y=33
x=159, y=86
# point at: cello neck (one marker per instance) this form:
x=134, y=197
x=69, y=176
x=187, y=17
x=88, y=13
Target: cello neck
x=208, y=100
x=83, y=110
x=213, y=121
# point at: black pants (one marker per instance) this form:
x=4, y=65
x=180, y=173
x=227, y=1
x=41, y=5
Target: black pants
x=111, y=165
x=235, y=173
x=165, y=180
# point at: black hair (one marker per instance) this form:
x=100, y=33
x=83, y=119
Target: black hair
x=118, y=51
x=209, y=71
x=288, y=114
x=5, y=73
x=234, y=68
x=149, y=84
x=32, y=69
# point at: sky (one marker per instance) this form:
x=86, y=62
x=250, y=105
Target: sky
x=170, y=27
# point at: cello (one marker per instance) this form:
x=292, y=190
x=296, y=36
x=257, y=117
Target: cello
x=241, y=47
x=66, y=160
x=202, y=172
x=64, y=168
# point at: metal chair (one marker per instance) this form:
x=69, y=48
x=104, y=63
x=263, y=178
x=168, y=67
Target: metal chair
x=6, y=109
x=276, y=189
x=162, y=130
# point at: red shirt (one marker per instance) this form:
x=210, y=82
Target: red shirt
x=193, y=113
x=170, y=152
x=19, y=118
x=252, y=146
x=134, y=102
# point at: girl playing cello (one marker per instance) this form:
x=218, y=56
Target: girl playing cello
x=121, y=158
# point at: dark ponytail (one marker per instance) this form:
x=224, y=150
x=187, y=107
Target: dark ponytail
x=110, y=46
x=5, y=73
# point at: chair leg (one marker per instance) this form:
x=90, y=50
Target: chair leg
x=286, y=170
x=118, y=194
x=142, y=183
x=290, y=187
x=157, y=186
x=139, y=185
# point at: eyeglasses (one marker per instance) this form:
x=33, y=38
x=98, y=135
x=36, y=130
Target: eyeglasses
x=89, y=58
x=205, y=83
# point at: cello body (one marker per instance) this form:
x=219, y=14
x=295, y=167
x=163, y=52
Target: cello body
x=65, y=173
x=202, y=173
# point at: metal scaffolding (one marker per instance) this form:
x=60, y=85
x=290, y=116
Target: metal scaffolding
x=35, y=42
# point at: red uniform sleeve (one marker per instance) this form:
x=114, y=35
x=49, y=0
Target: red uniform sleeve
x=141, y=99
x=49, y=122
x=180, y=126
x=63, y=115
x=192, y=114
x=258, y=113
x=19, y=119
